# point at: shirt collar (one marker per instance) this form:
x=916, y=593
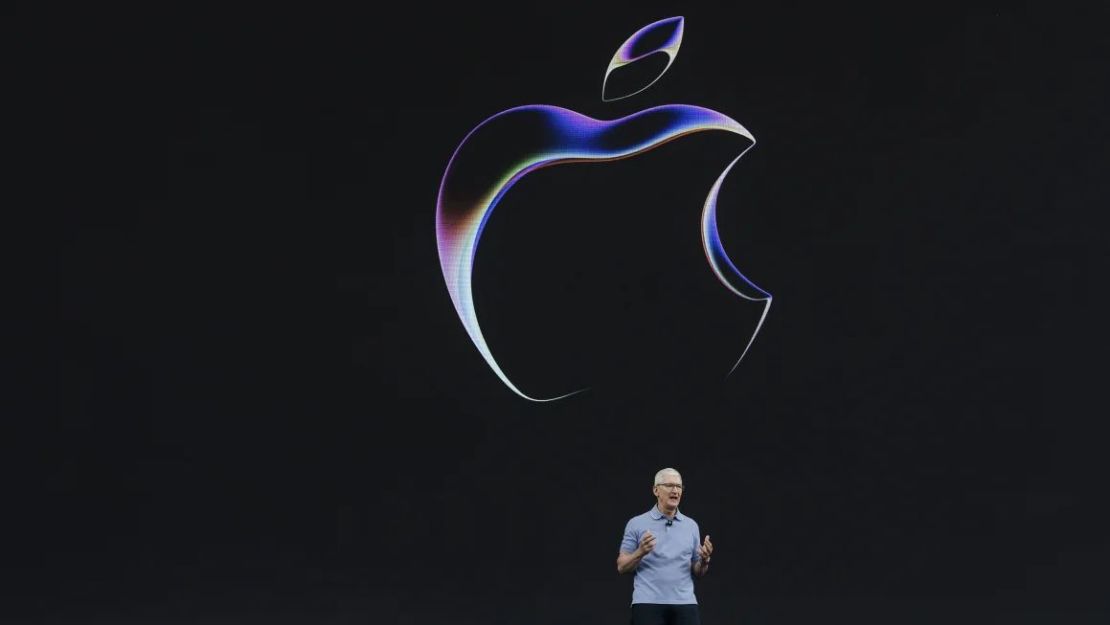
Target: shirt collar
x=657, y=514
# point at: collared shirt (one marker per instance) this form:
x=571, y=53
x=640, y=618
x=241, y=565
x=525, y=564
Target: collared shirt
x=664, y=575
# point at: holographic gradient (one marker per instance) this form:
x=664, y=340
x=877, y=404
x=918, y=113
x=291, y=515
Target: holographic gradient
x=625, y=54
x=543, y=136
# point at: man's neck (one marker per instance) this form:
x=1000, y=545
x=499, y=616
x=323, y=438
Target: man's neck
x=664, y=512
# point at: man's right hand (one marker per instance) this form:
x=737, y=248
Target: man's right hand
x=627, y=562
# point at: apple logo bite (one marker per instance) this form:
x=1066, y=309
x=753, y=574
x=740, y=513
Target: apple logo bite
x=513, y=143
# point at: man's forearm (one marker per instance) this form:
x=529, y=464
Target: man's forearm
x=700, y=568
x=628, y=562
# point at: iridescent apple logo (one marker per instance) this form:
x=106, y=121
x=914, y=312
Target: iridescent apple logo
x=541, y=135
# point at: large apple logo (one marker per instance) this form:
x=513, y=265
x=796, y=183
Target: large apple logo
x=482, y=170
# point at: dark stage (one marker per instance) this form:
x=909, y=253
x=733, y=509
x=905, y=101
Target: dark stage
x=268, y=411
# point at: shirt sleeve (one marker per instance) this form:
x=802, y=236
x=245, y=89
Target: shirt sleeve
x=697, y=543
x=631, y=538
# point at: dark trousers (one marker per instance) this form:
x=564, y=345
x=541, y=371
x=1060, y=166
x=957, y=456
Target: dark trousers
x=663, y=614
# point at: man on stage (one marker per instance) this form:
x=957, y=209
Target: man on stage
x=661, y=547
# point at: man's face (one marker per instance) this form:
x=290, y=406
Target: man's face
x=669, y=492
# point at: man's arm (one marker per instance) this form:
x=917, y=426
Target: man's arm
x=701, y=566
x=628, y=562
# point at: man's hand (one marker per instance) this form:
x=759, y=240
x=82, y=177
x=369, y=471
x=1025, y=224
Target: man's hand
x=705, y=550
x=627, y=562
x=701, y=566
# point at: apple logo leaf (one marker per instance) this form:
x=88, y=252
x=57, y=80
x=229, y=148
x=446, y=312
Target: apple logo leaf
x=657, y=39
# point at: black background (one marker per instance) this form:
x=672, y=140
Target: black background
x=268, y=411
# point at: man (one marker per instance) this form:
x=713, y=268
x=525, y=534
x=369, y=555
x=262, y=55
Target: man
x=661, y=548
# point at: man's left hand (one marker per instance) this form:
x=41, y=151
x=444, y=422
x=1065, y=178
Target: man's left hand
x=705, y=550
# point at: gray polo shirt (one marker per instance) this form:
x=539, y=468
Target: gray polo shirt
x=664, y=574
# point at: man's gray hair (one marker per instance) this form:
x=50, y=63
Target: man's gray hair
x=662, y=472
